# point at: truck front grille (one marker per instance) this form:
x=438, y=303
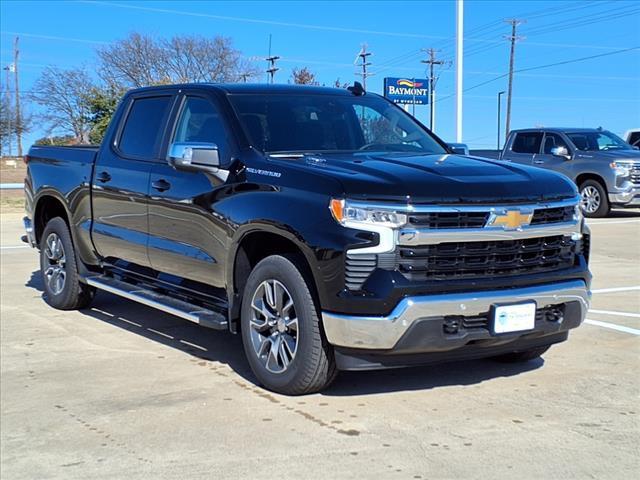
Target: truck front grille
x=478, y=219
x=553, y=215
x=635, y=174
x=485, y=259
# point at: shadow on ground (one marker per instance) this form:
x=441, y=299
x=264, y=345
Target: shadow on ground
x=624, y=213
x=226, y=348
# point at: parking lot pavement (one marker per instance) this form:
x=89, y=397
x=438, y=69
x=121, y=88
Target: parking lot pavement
x=125, y=391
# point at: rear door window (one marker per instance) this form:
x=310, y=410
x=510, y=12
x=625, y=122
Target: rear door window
x=527, y=142
x=144, y=126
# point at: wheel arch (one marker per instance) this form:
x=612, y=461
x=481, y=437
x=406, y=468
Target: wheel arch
x=252, y=245
x=583, y=177
x=48, y=206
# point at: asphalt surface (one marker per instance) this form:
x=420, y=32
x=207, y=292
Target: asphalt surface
x=122, y=390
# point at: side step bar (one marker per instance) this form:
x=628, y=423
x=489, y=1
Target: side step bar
x=179, y=308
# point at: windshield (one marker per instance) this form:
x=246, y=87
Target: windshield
x=330, y=123
x=595, y=141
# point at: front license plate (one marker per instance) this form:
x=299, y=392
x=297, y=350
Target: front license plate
x=514, y=318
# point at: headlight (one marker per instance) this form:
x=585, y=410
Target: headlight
x=346, y=213
x=620, y=169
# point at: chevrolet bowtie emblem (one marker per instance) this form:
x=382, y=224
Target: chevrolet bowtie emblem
x=510, y=220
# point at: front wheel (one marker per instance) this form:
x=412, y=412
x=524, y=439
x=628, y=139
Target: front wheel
x=593, y=199
x=281, y=332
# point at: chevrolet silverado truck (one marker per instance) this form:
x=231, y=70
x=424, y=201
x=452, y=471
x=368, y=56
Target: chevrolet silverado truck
x=327, y=227
x=605, y=168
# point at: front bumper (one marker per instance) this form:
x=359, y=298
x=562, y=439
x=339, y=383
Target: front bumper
x=417, y=324
x=628, y=198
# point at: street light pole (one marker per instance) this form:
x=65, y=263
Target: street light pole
x=499, y=103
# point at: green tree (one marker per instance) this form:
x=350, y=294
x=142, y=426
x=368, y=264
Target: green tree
x=102, y=104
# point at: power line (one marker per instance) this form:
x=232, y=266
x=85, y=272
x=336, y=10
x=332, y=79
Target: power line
x=538, y=67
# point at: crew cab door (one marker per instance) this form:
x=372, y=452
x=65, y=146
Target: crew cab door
x=188, y=228
x=546, y=160
x=120, y=184
x=522, y=147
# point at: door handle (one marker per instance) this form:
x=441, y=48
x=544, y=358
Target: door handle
x=103, y=177
x=161, y=185
x=538, y=161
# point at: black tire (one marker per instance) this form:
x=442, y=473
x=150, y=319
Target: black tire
x=595, y=190
x=524, y=356
x=312, y=366
x=70, y=294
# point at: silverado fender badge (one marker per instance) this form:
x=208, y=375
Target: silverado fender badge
x=510, y=219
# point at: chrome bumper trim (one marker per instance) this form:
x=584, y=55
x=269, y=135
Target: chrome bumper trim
x=628, y=199
x=425, y=236
x=30, y=235
x=366, y=332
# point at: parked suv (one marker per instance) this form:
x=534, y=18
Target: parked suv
x=605, y=167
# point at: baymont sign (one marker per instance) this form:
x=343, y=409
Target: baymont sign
x=407, y=90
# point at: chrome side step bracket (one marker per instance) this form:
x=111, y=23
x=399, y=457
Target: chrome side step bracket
x=194, y=313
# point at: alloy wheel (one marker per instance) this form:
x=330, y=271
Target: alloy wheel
x=590, y=199
x=274, y=326
x=55, y=273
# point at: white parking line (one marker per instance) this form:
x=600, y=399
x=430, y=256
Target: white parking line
x=619, y=289
x=614, y=222
x=13, y=247
x=613, y=326
x=618, y=314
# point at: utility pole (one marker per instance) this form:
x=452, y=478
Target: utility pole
x=513, y=38
x=459, y=58
x=271, y=60
x=432, y=85
x=362, y=57
x=499, y=120
x=8, y=69
x=18, y=117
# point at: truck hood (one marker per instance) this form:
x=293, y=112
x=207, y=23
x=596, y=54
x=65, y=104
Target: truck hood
x=612, y=155
x=439, y=178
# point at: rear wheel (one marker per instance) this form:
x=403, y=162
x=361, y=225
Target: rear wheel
x=524, y=356
x=62, y=287
x=593, y=199
x=281, y=332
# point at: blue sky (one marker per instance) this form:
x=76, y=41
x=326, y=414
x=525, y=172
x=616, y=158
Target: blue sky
x=326, y=36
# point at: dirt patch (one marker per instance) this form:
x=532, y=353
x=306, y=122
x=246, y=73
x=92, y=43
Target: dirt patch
x=11, y=172
x=11, y=201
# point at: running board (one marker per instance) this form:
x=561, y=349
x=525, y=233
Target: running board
x=194, y=313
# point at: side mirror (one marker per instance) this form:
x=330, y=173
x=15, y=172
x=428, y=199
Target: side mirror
x=560, y=152
x=459, y=148
x=194, y=156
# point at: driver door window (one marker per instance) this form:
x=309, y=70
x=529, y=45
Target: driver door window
x=200, y=122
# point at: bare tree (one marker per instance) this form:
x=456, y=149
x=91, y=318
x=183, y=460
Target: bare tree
x=303, y=76
x=63, y=94
x=140, y=60
x=136, y=61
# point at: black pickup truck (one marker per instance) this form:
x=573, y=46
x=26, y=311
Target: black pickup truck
x=327, y=226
